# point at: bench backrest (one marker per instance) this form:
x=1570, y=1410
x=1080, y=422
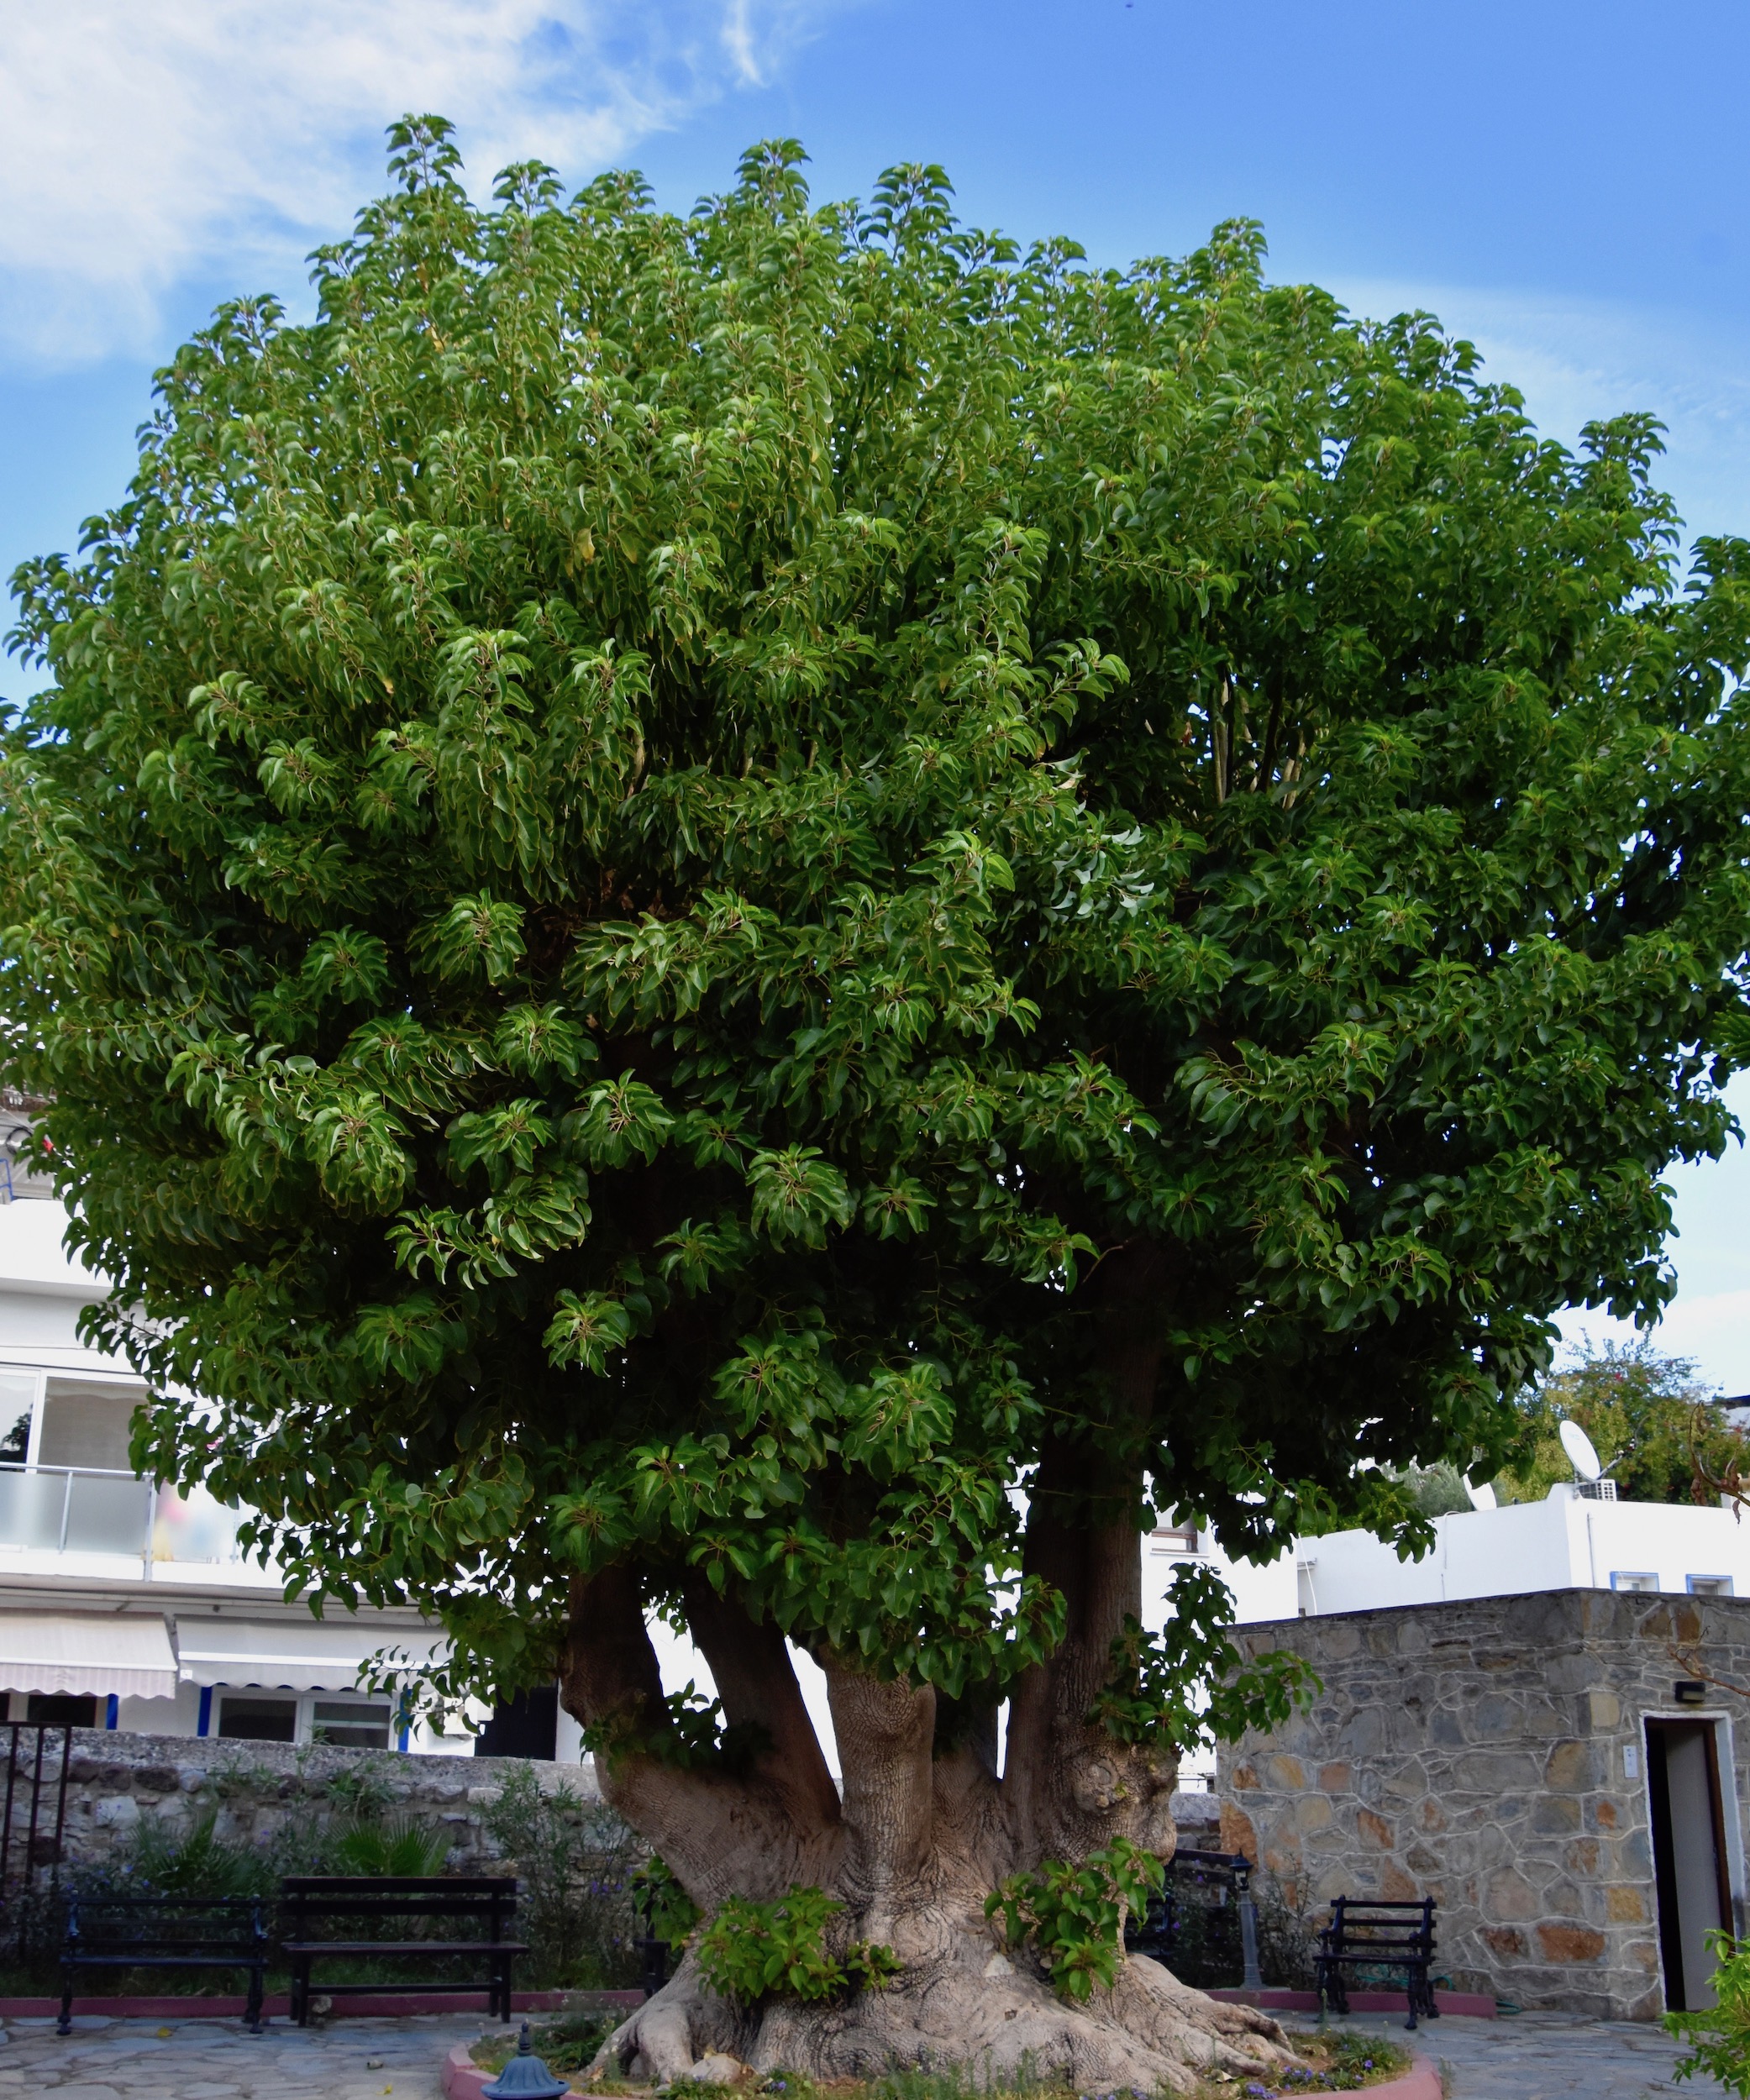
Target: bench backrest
x=1360, y=1926
x=165, y=1921
x=305, y=1899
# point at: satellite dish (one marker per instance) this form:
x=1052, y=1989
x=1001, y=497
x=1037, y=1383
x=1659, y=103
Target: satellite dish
x=1481, y=1498
x=1580, y=1454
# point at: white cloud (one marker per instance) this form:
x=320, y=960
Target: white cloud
x=1713, y=1331
x=1577, y=360
x=145, y=142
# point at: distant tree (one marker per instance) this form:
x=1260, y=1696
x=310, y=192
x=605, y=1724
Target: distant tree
x=1438, y=1490
x=1648, y=1419
x=778, y=916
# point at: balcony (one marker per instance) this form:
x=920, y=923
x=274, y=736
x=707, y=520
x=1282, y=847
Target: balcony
x=79, y=1509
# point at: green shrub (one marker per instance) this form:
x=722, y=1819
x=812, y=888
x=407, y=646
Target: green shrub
x=1287, y=1933
x=575, y=1861
x=365, y=1789
x=160, y=1859
x=1719, y=2040
x=397, y=1846
x=1075, y=1915
x=668, y=1910
x=752, y=1950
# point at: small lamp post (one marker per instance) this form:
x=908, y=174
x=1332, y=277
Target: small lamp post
x=525, y=2077
x=1253, y=1979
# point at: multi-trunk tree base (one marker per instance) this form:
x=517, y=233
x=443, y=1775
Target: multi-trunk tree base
x=971, y=2005
x=912, y=1838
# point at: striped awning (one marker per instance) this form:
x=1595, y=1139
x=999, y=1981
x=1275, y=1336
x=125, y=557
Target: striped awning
x=290, y=1655
x=126, y=1653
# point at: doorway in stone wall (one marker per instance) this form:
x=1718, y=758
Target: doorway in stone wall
x=1688, y=1855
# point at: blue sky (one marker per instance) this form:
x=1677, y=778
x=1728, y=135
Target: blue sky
x=1561, y=182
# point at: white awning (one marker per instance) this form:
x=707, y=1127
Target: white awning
x=87, y=1651
x=289, y=1655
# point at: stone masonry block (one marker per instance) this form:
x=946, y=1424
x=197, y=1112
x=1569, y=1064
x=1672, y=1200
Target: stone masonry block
x=1569, y=1943
x=1509, y=1895
x=1374, y=1830
x=1571, y=1767
x=1604, y=1710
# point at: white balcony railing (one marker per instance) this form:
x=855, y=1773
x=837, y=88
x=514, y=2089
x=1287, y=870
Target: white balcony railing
x=74, y=1509
x=83, y=1510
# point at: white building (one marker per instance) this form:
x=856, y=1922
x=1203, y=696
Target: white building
x=123, y=1605
x=1571, y=1540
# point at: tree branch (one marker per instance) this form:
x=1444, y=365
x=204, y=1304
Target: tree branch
x=723, y=1833
x=757, y=1682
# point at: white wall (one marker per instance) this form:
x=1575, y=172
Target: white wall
x=1563, y=1542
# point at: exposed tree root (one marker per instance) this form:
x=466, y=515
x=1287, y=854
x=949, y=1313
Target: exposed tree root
x=972, y=2007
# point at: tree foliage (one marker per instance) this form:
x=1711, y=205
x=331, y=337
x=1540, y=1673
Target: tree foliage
x=1648, y=1418
x=683, y=881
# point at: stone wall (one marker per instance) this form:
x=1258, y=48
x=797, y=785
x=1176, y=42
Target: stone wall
x=1475, y=1752
x=255, y=1790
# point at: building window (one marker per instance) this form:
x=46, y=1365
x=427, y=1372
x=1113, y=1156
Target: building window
x=248, y=1717
x=350, y=1724
x=318, y=1716
x=1633, y=1579
x=1708, y=1585
x=1175, y=1538
x=87, y=1424
x=18, y=1406
x=62, y=1709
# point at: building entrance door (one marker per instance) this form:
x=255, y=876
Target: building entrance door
x=1689, y=1855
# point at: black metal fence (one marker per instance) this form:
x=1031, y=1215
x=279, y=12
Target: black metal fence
x=1202, y=1925
x=38, y=1755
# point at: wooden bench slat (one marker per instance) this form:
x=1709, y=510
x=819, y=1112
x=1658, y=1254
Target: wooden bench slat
x=404, y=1947
x=308, y=1899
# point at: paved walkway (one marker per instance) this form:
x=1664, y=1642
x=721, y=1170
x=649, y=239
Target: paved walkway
x=215, y=2060
x=1542, y=2055
x=1529, y=2056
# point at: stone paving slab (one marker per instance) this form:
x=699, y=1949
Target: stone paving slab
x=1540, y=2055
x=1528, y=2056
x=217, y=2059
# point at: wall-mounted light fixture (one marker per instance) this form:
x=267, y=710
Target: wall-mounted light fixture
x=1689, y=1692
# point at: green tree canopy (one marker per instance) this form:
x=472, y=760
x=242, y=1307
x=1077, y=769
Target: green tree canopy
x=1647, y=1416
x=701, y=892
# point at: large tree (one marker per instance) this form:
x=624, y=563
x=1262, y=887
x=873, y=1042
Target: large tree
x=776, y=915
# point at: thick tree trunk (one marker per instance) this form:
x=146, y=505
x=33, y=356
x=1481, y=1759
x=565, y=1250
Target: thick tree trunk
x=921, y=1829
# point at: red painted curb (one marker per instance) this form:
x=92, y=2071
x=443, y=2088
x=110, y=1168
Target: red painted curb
x=1468, y=2004
x=278, y=2006
x=1422, y=2081
x=463, y=2078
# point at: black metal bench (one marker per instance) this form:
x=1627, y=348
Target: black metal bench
x=310, y=1901
x=1370, y=1935
x=164, y=1932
